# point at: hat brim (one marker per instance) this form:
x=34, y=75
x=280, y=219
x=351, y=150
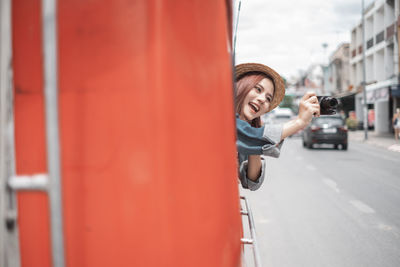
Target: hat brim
x=279, y=86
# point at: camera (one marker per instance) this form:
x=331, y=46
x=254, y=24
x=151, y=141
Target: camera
x=328, y=105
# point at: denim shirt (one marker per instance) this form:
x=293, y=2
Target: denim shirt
x=265, y=140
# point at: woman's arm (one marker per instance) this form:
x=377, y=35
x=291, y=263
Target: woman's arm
x=308, y=108
x=248, y=183
x=254, y=167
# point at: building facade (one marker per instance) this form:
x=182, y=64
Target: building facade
x=382, y=62
x=337, y=77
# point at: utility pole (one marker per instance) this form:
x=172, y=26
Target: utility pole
x=364, y=87
x=325, y=67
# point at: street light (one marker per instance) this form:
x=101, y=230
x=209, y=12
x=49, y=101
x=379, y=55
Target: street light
x=365, y=107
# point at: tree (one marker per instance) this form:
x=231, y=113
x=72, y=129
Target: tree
x=287, y=102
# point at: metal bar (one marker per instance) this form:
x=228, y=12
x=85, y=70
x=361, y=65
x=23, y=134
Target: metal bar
x=9, y=233
x=37, y=182
x=236, y=27
x=247, y=241
x=49, y=29
x=253, y=240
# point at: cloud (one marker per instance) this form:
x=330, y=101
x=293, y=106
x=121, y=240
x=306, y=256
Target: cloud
x=288, y=35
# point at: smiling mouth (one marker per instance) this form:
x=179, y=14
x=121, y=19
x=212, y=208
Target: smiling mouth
x=254, y=107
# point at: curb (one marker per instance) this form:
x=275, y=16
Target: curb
x=383, y=141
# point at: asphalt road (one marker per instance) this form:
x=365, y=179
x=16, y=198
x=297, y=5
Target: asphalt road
x=326, y=207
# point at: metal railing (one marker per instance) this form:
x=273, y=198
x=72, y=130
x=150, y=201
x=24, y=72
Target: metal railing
x=252, y=240
x=50, y=59
x=51, y=182
x=9, y=236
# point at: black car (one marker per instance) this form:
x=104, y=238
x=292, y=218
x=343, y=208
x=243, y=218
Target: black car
x=326, y=130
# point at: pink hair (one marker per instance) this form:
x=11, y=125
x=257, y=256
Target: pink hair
x=243, y=87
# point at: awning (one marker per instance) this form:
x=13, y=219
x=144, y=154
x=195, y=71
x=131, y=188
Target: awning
x=395, y=90
x=347, y=94
x=377, y=94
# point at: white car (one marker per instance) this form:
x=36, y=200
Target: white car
x=282, y=115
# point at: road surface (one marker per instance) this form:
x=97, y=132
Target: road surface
x=326, y=207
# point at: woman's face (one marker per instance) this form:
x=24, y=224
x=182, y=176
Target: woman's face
x=258, y=100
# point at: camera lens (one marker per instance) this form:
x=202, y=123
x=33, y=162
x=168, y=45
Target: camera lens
x=328, y=105
x=329, y=102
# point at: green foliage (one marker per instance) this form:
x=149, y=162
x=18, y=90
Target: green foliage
x=287, y=102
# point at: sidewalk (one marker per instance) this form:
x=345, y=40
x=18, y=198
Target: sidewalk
x=382, y=140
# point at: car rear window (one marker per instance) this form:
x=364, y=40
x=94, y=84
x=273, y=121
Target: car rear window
x=330, y=121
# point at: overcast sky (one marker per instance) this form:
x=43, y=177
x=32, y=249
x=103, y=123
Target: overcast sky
x=287, y=35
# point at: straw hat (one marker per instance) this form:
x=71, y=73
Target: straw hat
x=279, y=86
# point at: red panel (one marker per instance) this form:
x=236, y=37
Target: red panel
x=147, y=133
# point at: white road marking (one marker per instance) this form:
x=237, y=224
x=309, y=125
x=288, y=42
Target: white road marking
x=388, y=228
x=332, y=184
x=395, y=148
x=311, y=167
x=384, y=227
x=362, y=206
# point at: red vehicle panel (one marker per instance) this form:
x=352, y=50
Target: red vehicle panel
x=146, y=133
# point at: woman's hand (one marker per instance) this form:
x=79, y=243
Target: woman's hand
x=308, y=108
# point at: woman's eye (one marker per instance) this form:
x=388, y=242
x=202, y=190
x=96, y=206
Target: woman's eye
x=258, y=89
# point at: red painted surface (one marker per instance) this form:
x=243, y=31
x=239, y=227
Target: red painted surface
x=147, y=133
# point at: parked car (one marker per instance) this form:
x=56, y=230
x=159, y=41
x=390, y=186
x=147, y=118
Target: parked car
x=326, y=130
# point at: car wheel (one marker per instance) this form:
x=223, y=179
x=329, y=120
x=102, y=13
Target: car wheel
x=336, y=146
x=310, y=145
x=304, y=143
x=344, y=146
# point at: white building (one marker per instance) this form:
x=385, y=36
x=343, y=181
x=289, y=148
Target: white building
x=337, y=79
x=381, y=60
x=314, y=79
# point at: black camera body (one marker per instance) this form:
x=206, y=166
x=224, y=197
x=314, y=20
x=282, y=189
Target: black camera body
x=328, y=105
